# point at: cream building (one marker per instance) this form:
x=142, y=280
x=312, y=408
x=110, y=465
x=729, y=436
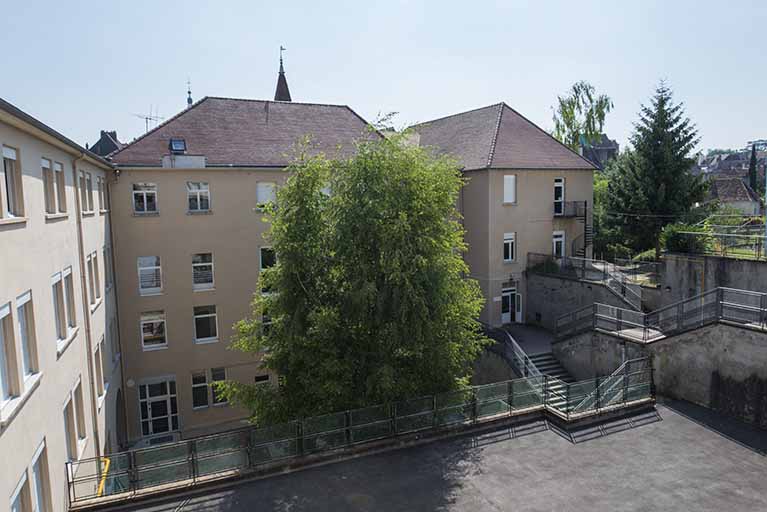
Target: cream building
x=60, y=374
x=525, y=193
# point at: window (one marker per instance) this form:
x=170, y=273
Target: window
x=96, y=274
x=89, y=185
x=20, y=496
x=40, y=484
x=27, y=335
x=69, y=294
x=510, y=188
x=70, y=430
x=509, y=247
x=59, y=308
x=266, y=192
x=267, y=259
x=217, y=375
x=98, y=363
x=144, y=198
x=79, y=411
x=558, y=244
x=149, y=275
x=202, y=271
x=262, y=379
x=198, y=196
x=61, y=191
x=153, y=330
x=108, y=270
x=158, y=407
x=205, y=329
x=7, y=356
x=199, y=390
x=177, y=145
x=13, y=197
x=91, y=283
x=49, y=187
x=559, y=196
x=102, y=200
x=86, y=191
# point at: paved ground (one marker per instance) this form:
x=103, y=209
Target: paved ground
x=532, y=339
x=688, y=459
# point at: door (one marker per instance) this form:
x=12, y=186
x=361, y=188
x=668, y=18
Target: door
x=559, y=196
x=508, y=306
x=158, y=407
x=558, y=244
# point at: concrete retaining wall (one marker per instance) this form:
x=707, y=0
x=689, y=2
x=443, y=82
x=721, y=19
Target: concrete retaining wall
x=549, y=297
x=686, y=275
x=719, y=366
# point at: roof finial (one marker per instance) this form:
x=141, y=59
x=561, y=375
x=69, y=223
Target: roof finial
x=188, y=93
x=282, y=93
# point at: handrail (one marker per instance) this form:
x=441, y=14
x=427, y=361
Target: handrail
x=657, y=323
x=608, y=382
x=527, y=367
x=100, y=490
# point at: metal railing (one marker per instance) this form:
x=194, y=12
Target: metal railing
x=569, y=209
x=518, y=358
x=610, y=387
x=730, y=245
x=742, y=307
x=589, y=270
x=121, y=476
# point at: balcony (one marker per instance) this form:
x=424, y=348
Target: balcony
x=569, y=208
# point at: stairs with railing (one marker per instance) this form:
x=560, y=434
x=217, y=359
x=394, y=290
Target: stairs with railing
x=557, y=376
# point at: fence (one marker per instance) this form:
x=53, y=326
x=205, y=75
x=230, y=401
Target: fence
x=590, y=270
x=730, y=245
x=742, y=307
x=513, y=353
x=122, y=475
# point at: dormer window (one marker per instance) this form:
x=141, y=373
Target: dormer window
x=177, y=146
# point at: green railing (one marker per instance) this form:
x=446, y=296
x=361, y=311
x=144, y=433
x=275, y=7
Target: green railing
x=122, y=475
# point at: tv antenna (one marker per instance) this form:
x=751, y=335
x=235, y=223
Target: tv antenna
x=150, y=117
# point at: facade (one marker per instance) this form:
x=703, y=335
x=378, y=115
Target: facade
x=60, y=370
x=525, y=193
x=736, y=193
x=189, y=248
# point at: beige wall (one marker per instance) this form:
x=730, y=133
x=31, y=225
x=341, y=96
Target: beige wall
x=531, y=218
x=31, y=252
x=233, y=233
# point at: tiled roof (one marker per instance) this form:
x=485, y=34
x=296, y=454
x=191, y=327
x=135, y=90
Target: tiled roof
x=238, y=132
x=732, y=189
x=499, y=137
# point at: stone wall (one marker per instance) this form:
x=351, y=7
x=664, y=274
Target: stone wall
x=491, y=367
x=549, y=297
x=686, y=275
x=718, y=366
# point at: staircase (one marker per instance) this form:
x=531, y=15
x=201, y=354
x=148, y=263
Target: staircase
x=549, y=365
x=582, y=242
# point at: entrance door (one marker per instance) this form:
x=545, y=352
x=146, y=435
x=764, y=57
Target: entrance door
x=558, y=244
x=508, y=306
x=158, y=407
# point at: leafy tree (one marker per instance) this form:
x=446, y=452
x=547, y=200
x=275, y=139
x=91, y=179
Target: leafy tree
x=652, y=185
x=580, y=114
x=367, y=300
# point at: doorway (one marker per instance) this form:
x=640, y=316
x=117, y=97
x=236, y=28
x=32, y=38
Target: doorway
x=511, y=306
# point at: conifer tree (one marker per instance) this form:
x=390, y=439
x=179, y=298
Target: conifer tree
x=752, y=176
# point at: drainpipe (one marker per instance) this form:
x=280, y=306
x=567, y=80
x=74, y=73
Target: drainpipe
x=86, y=304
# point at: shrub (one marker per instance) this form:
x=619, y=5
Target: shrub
x=687, y=238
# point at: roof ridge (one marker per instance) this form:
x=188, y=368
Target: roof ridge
x=493, y=142
x=591, y=164
x=228, y=98
x=457, y=114
x=141, y=137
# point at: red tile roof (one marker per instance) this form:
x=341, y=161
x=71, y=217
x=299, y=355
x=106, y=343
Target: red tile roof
x=498, y=137
x=729, y=190
x=238, y=132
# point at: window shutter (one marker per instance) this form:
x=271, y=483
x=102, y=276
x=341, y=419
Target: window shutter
x=510, y=188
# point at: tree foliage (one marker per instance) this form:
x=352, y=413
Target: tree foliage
x=367, y=301
x=652, y=184
x=580, y=114
x=753, y=177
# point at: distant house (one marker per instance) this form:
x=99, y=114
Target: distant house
x=107, y=144
x=601, y=151
x=736, y=193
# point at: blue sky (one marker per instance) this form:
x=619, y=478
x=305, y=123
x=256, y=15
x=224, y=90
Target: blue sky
x=86, y=66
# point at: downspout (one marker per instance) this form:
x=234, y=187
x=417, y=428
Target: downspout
x=86, y=304
x=113, y=256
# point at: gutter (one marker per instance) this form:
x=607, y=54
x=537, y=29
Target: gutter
x=86, y=304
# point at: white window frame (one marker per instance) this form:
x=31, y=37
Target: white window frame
x=27, y=339
x=96, y=274
x=213, y=380
x=91, y=282
x=61, y=192
x=214, y=315
x=155, y=290
x=198, y=193
x=559, y=183
x=152, y=317
x=8, y=390
x=40, y=487
x=70, y=428
x=145, y=194
x=204, y=374
x=49, y=187
x=510, y=243
x=102, y=193
x=20, y=496
x=203, y=286
x=68, y=288
x=168, y=397
x=98, y=363
x=12, y=183
x=557, y=236
x=509, y=189
x=266, y=192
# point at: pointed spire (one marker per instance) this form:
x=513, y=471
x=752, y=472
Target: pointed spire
x=282, y=93
x=188, y=94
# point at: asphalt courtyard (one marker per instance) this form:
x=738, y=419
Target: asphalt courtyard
x=684, y=458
